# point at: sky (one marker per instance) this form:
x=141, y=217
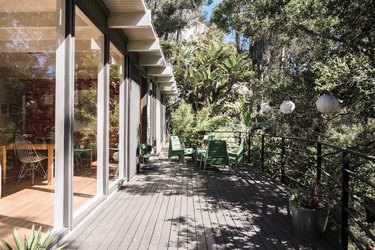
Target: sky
x=208, y=10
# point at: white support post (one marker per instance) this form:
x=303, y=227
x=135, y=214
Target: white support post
x=64, y=110
x=103, y=123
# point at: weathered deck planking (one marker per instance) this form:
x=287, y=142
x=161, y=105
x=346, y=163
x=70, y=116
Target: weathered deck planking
x=178, y=206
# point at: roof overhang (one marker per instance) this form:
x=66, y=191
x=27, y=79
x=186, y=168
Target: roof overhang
x=135, y=20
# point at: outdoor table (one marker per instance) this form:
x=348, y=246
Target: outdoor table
x=189, y=151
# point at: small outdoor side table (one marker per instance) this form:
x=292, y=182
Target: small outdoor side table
x=189, y=151
x=198, y=153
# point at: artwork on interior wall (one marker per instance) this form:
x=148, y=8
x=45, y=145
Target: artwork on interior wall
x=14, y=110
x=4, y=110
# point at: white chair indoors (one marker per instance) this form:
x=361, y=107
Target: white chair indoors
x=30, y=159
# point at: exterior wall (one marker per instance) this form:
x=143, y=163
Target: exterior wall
x=158, y=120
x=144, y=110
x=163, y=123
x=149, y=112
x=131, y=91
x=151, y=107
x=134, y=124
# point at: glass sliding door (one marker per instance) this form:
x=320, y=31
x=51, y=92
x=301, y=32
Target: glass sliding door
x=88, y=58
x=115, y=80
x=28, y=36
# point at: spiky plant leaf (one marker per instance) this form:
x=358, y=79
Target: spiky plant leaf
x=33, y=242
x=31, y=239
x=18, y=241
x=47, y=240
x=6, y=245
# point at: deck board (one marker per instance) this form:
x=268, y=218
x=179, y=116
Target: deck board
x=162, y=242
x=114, y=237
x=178, y=206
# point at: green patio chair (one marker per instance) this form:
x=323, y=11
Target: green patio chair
x=200, y=151
x=216, y=154
x=238, y=157
x=175, y=148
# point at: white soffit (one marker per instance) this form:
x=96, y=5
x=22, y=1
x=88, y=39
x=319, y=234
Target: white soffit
x=136, y=25
x=160, y=71
x=163, y=79
x=170, y=93
x=130, y=20
x=166, y=84
x=144, y=45
x=125, y=5
x=147, y=61
x=135, y=20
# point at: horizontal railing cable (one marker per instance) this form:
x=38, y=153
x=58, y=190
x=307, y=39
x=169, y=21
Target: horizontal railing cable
x=299, y=161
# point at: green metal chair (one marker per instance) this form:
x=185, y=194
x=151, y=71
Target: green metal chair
x=238, y=157
x=199, y=152
x=216, y=154
x=175, y=148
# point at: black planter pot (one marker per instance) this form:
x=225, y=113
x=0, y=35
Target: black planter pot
x=309, y=224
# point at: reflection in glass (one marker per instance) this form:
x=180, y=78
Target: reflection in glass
x=114, y=112
x=87, y=58
x=27, y=111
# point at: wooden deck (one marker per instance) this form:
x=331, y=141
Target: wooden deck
x=175, y=205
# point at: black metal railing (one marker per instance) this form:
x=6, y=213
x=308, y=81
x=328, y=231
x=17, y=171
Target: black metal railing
x=346, y=177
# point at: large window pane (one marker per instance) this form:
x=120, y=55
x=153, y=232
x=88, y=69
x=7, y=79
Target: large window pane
x=27, y=113
x=87, y=59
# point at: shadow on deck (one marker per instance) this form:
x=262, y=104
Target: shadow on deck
x=176, y=205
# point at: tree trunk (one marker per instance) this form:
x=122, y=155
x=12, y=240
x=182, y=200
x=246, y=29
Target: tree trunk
x=260, y=54
x=238, y=41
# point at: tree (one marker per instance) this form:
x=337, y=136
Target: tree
x=170, y=17
x=209, y=72
x=301, y=49
x=229, y=16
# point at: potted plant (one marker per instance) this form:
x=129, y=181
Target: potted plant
x=309, y=213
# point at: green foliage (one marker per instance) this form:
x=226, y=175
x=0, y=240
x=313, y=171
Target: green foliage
x=301, y=49
x=35, y=241
x=188, y=125
x=182, y=121
x=309, y=198
x=209, y=72
x=350, y=78
x=204, y=121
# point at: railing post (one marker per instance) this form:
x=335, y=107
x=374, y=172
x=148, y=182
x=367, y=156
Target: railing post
x=318, y=162
x=249, y=148
x=282, y=165
x=345, y=200
x=262, y=154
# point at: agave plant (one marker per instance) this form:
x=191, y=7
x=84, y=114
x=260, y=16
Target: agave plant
x=34, y=242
